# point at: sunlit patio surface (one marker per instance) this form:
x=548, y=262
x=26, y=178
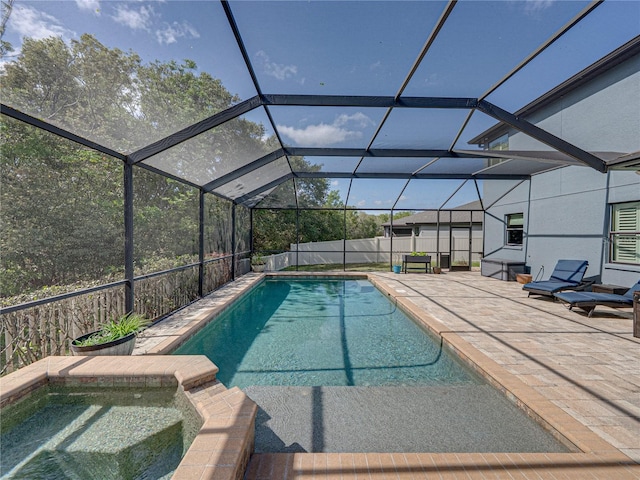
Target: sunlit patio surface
x=577, y=376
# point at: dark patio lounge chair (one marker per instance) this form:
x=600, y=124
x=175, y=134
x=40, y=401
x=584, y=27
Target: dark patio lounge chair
x=588, y=301
x=567, y=275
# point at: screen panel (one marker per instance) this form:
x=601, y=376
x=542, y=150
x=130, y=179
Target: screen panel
x=344, y=127
x=218, y=151
x=166, y=219
x=415, y=128
x=334, y=48
x=62, y=210
x=482, y=41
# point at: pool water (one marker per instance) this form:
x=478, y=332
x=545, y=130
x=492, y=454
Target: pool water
x=80, y=433
x=323, y=333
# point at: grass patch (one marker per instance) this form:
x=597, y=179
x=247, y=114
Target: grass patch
x=350, y=267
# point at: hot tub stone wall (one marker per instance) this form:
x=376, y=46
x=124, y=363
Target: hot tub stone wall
x=224, y=443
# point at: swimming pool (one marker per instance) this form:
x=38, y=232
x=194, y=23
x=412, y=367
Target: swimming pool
x=333, y=363
x=298, y=332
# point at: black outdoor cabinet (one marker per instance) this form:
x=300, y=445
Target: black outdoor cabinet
x=501, y=268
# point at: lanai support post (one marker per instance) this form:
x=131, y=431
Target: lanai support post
x=344, y=240
x=250, y=233
x=438, y=257
x=233, y=241
x=391, y=240
x=297, y=237
x=129, y=294
x=201, y=247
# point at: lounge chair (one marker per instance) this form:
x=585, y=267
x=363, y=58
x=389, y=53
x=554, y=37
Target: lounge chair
x=588, y=301
x=567, y=275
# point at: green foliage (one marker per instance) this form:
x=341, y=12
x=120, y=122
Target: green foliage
x=419, y=254
x=62, y=204
x=61, y=211
x=384, y=217
x=166, y=223
x=275, y=230
x=257, y=260
x=362, y=225
x=115, y=329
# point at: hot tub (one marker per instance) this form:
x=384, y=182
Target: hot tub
x=223, y=419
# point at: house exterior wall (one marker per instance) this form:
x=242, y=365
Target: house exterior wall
x=567, y=210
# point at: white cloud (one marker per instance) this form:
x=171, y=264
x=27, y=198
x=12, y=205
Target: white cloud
x=273, y=69
x=335, y=183
x=169, y=34
x=375, y=66
x=91, y=5
x=361, y=203
x=534, y=6
x=358, y=118
x=432, y=79
x=139, y=19
x=321, y=135
x=29, y=22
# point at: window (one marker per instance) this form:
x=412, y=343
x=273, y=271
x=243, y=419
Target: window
x=625, y=233
x=500, y=143
x=515, y=228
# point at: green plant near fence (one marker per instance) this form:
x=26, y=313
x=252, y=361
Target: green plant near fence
x=115, y=329
x=34, y=333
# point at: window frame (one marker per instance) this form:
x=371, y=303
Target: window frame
x=509, y=228
x=614, y=233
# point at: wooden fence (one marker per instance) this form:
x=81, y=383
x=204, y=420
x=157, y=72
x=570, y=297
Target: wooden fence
x=162, y=294
x=33, y=333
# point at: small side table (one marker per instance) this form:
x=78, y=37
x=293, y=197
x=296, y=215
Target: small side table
x=605, y=288
x=524, y=278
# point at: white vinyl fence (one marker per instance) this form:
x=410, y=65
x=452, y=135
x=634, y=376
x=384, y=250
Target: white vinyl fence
x=374, y=250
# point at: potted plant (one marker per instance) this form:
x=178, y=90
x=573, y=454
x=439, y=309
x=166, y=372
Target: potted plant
x=258, y=263
x=118, y=337
x=396, y=262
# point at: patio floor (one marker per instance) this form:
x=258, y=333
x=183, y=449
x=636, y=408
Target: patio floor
x=570, y=370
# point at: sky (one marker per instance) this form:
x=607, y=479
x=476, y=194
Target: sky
x=353, y=48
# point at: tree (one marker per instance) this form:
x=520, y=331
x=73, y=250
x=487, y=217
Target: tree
x=362, y=225
x=85, y=87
